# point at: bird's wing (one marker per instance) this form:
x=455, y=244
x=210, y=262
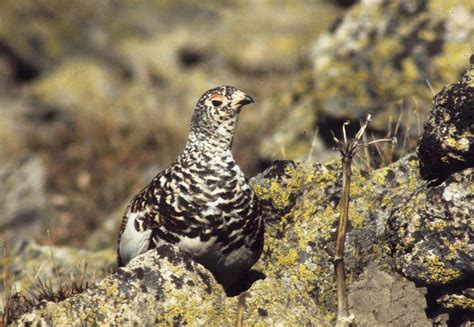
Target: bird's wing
x=139, y=220
x=133, y=241
x=150, y=218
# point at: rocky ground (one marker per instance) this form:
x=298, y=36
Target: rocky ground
x=88, y=117
x=409, y=253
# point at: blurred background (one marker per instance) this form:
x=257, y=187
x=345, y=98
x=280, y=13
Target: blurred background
x=96, y=96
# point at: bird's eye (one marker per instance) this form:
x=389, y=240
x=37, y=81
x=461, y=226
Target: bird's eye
x=216, y=103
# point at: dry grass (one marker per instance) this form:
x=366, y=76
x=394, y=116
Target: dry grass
x=16, y=303
x=407, y=128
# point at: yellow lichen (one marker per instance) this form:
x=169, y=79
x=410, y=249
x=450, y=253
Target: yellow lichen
x=439, y=273
x=457, y=301
x=437, y=225
x=356, y=219
x=457, y=144
x=289, y=258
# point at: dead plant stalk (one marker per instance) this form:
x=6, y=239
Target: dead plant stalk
x=348, y=148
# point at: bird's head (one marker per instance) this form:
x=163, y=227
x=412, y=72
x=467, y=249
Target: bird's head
x=216, y=112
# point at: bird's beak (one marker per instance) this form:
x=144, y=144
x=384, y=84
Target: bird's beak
x=246, y=99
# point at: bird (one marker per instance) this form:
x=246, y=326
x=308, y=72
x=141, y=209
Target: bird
x=202, y=202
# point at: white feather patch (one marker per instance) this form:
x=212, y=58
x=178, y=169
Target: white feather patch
x=133, y=242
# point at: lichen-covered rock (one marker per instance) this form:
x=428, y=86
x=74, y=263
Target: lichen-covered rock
x=301, y=203
x=301, y=207
x=383, y=299
x=432, y=234
x=447, y=144
x=160, y=287
x=166, y=287
x=306, y=199
x=458, y=301
x=378, y=58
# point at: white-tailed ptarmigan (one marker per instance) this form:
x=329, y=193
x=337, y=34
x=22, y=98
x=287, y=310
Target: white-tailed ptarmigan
x=202, y=203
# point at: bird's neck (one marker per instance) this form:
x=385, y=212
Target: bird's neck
x=208, y=145
x=216, y=138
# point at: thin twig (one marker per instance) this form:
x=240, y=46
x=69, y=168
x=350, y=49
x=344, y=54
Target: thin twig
x=418, y=118
x=379, y=151
x=392, y=140
x=41, y=268
x=6, y=284
x=348, y=149
x=52, y=255
x=368, y=159
x=429, y=85
x=391, y=153
x=344, y=131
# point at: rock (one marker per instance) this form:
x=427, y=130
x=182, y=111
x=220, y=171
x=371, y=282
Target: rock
x=53, y=36
x=378, y=58
x=432, y=237
x=23, y=200
x=457, y=301
x=301, y=206
x=268, y=41
x=158, y=282
x=12, y=127
x=383, y=299
x=78, y=84
x=307, y=200
x=160, y=287
x=447, y=144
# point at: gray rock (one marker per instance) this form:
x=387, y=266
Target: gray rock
x=23, y=200
x=447, y=144
x=383, y=299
